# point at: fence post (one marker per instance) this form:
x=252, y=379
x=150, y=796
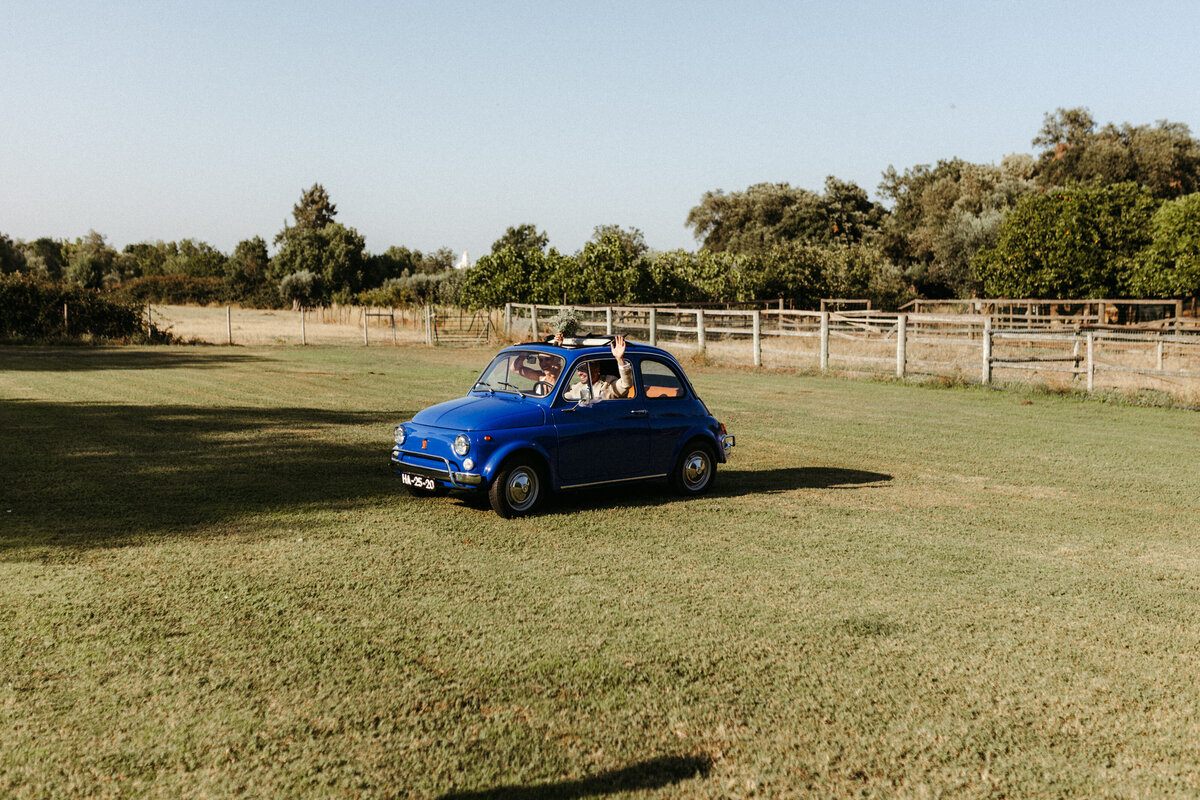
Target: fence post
x=303, y=337
x=700, y=343
x=507, y=319
x=533, y=323
x=229, y=325
x=608, y=328
x=364, y=316
x=654, y=327
x=757, y=337
x=392, y=317
x=824, y=341
x=1159, y=364
x=986, y=376
x=1091, y=360
x=66, y=321
x=901, y=345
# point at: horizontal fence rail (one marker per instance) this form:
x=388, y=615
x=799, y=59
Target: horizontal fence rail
x=1166, y=358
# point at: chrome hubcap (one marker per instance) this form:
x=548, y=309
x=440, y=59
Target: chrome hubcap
x=522, y=489
x=695, y=470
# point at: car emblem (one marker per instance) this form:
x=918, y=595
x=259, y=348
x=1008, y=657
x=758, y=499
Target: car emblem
x=424, y=444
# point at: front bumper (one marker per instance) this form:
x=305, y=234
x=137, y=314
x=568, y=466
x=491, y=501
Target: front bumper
x=456, y=479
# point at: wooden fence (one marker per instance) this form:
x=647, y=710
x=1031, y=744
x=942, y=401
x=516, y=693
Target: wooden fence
x=970, y=346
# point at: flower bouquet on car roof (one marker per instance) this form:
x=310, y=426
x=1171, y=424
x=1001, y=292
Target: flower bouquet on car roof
x=566, y=324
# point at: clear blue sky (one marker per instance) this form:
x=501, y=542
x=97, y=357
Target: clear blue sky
x=442, y=123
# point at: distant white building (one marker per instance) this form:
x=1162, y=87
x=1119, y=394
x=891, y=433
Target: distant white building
x=464, y=262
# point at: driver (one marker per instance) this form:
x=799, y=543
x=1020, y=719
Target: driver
x=606, y=387
x=545, y=376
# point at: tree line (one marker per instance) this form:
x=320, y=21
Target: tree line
x=1110, y=210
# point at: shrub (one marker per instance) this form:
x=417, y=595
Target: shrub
x=31, y=309
x=175, y=288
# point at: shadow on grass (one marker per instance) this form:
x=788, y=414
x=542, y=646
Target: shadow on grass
x=653, y=774
x=734, y=483
x=84, y=358
x=83, y=475
x=730, y=483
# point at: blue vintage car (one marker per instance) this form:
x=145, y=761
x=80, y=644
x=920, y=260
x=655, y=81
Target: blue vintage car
x=548, y=417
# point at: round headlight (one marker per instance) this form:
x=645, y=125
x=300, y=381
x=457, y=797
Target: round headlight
x=462, y=445
x=399, y=434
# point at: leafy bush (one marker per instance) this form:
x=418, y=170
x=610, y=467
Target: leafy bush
x=31, y=309
x=443, y=288
x=301, y=287
x=173, y=288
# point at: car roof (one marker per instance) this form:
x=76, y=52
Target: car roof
x=588, y=346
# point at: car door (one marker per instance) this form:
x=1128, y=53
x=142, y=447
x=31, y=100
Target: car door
x=605, y=440
x=671, y=410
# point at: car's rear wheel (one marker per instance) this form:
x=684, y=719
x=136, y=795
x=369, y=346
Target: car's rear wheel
x=517, y=489
x=696, y=469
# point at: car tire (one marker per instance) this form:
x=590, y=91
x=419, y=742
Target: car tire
x=696, y=470
x=518, y=488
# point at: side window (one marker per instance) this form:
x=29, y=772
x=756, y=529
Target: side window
x=604, y=378
x=660, y=380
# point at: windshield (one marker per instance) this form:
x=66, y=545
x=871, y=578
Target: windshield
x=525, y=371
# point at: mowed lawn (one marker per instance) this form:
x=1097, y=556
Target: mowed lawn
x=212, y=586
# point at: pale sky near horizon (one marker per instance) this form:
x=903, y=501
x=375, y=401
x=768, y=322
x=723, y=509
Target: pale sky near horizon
x=442, y=123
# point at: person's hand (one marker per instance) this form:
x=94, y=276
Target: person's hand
x=558, y=338
x=618, y=348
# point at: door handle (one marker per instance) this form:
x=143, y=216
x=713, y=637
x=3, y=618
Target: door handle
x=638, y=412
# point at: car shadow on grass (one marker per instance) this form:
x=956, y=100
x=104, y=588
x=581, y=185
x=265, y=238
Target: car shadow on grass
x=86, y=358
x=730, y=483
x=80, y=476
x=643, y=776
x=735, y=483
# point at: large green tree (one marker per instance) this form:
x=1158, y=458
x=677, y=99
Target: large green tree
x=314, y=211
x=12, y=257
x=333, y=252
x=91, y=262
x=46, y=257
x=943, y=214
x=513, y=275
x=1170, y=266
x=611, y=268
x=524, y=237
x=193, y=258
x=1163, y=158
x=766, y=215
x=1075, y=242
x=247, y=270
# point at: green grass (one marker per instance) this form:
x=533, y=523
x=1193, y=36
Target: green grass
x=211, y=585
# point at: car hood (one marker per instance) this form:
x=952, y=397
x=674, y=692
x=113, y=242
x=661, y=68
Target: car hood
x=486, y=412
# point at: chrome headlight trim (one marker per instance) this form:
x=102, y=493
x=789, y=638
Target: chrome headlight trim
x=462, y=445
x=400, y=435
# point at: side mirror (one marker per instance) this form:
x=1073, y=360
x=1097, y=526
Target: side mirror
x=585, y=395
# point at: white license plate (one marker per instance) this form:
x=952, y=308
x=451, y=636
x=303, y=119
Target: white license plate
x=419, y=481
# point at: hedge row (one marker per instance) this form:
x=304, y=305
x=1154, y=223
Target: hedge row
x=31, y=309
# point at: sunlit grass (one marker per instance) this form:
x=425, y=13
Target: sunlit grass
x=211, y=585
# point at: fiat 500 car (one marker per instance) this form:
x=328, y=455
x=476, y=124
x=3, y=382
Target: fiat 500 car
x=546, y=417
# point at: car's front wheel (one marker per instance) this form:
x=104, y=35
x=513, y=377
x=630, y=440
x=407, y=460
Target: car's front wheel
x=696, y=469
x=517, y=489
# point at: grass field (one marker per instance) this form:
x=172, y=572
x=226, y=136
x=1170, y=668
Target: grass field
x=212, y=586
